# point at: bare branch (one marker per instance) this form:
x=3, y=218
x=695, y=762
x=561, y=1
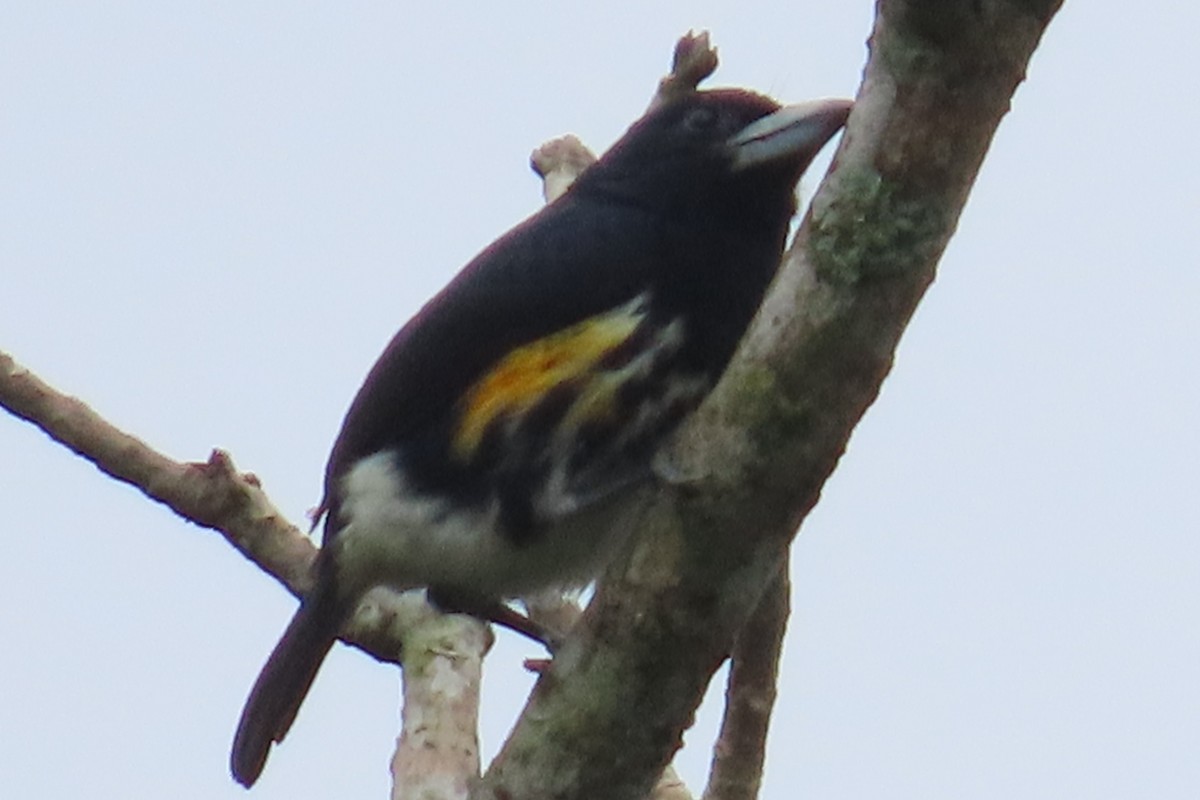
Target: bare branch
x=437, y=752
x=750, y=696
x=558, y=163
x=694, y=60
x=212, y=494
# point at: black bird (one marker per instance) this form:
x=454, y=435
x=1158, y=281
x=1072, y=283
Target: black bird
x=497, y=445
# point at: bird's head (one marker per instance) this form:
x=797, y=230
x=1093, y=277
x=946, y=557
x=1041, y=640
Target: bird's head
x=724, y=151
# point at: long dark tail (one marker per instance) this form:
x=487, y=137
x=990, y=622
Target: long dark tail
x=284, y=681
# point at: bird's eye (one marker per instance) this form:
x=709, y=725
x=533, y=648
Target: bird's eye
x=700, y=119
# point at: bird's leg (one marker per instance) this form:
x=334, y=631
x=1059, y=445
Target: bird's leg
x=492, y=610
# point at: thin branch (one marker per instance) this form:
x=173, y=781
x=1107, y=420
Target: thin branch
x=695, y=59
x=212, y=494
x=750, y=696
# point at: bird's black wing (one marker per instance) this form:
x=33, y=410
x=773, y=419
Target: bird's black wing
x=493, y=342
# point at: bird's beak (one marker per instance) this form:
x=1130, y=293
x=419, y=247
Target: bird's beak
x=795, y=131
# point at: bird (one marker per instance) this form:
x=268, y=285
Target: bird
x=497, y=445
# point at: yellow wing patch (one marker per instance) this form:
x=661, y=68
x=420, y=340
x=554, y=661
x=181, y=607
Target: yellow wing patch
x=517, y=382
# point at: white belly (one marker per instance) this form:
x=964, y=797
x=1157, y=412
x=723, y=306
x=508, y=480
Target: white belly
x=393, y=538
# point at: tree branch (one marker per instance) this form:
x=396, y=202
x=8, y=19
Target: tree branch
x=212, y=494
x=694, y=60
x=750, y=696
x=609, y=712
x=437, y=752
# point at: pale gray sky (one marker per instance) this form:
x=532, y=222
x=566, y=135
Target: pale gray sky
x=212, y=219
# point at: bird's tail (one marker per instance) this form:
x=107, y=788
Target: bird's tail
x=284, y=681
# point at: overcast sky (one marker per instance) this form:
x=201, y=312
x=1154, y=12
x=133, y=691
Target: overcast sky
x=213, y=218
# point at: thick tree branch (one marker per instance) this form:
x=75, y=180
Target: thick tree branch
x=609, y=712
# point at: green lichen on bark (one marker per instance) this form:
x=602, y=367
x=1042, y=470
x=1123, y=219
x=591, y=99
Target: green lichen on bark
x=872, y=229
x=770, y=413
